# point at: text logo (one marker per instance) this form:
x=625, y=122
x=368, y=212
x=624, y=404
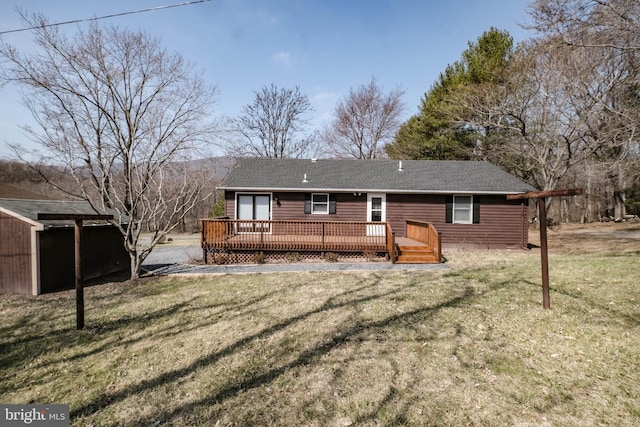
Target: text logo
x=34, y=415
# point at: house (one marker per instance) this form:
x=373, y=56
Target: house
x=465, y=201
x=37, y=256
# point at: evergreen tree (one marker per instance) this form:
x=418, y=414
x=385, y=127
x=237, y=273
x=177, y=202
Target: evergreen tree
x=436, y=132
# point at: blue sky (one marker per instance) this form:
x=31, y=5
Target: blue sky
x=324, y=47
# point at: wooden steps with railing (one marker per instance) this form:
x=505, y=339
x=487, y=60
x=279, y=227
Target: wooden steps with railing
x=420, y=246
x=413, y=252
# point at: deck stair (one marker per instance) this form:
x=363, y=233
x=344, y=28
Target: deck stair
x=409, y=251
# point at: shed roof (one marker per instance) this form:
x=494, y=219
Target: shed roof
x=414, y=176
x=29, y=209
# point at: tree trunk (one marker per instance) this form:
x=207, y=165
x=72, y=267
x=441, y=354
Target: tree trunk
x=619, y=207
x=586, y=213
x=135, y=265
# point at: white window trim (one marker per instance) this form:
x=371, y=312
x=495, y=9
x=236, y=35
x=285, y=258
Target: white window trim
x=453, y=213
x=313, y=204
x=247, y=193
x=240, y=229
x=383, y=196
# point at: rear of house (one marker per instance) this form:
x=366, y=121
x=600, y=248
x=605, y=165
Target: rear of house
x=465, y=200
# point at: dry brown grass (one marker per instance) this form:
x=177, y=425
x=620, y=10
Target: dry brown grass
x=468, y=346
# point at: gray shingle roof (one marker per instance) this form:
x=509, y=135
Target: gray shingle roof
x=31, y=208
x=417, y=176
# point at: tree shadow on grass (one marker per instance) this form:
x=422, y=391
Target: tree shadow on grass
x=18, y=350
x=307, y=357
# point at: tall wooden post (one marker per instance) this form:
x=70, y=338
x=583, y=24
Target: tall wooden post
x=79, y=284
x=544, y=253
x=542, y=218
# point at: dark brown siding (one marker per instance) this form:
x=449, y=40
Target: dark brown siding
x=230, y=204
x=102, y=253
x=290, y=207
x=348, y=208
x=503, y=223
x=15, y=255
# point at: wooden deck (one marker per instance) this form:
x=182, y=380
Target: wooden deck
x=225, y=235
x=291, y=242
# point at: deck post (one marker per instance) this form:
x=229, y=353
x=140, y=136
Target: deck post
x=392, y=248
x=203, y=239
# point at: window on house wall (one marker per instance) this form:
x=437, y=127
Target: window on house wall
x=253, y=207
x=319, y=203
x=463, y=209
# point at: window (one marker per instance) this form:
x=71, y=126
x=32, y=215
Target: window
x=253, y=206
x=463, y=209
x=319, y=203
x=256, y=209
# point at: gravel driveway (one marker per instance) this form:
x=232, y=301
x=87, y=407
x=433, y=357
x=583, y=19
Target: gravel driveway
x=180, y=254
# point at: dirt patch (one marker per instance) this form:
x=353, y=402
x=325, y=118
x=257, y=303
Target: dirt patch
x=591, y=238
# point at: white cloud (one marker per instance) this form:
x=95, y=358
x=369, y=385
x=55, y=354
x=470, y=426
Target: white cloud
x=282, y=58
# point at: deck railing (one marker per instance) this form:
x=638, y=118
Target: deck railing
x=342, y=236
x=426, y=233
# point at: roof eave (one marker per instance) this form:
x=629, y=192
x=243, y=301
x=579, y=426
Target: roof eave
x=368, y=190
x=33, y=223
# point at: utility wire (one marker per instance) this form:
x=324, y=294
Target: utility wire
x=104, y=17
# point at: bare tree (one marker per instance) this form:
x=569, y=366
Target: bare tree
x=273, y=126
x=123, y=116
x=611, y=24
x=609, y=31
x=552, y=116
x=365, y=121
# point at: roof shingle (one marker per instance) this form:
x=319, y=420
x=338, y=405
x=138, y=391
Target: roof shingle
x=416, y=176
x=31, y=208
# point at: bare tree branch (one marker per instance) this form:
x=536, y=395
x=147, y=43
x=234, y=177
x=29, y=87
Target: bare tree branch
x=123, y=117
x=273, y=126
x=365, y=121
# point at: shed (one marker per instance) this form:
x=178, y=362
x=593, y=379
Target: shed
x=37, y=256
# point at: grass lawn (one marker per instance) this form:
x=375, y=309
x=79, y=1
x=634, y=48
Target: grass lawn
x=468, y=346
